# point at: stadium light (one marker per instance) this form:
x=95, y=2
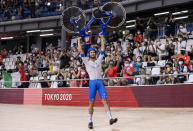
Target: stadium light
x=6, y=38
x=32, y=31
x=47, y=30
x=46, y=35
x=183, y=17
x=130, y=26
x=163, y=13
x=48, y=4
x=180, y=12
x=130, y=21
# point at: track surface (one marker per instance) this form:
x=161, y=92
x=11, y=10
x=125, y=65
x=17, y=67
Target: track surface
x=60, y=118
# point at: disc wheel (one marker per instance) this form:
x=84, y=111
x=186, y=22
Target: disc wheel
x=118, y=12
x=67, y=16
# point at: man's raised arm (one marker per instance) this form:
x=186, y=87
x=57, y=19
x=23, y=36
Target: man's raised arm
x=102, y=43
x=79, y=46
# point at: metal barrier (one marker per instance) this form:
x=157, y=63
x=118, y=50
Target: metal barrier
x=137, y=80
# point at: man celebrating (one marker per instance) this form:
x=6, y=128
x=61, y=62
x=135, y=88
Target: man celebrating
x=94, y=69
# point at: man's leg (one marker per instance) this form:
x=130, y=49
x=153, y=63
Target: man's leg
x=103, y=95
x=107, y=109
x=91, y=110
x=92, y=94
x=90, y=114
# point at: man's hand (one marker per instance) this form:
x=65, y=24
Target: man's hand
x=79, y=45
x=78, y=38
x=102, y=41
x=100, y=35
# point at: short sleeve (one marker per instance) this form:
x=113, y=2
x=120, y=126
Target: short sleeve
x=84, y=59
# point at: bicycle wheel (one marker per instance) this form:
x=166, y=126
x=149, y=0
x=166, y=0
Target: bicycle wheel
x=67, y=16
x=118, y=12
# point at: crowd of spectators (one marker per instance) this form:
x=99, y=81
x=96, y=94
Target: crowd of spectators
x=20, y=9
x=130, y=57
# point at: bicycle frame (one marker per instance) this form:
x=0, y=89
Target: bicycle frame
x=82, y=32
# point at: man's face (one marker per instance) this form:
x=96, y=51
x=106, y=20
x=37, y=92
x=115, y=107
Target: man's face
x=92, y=54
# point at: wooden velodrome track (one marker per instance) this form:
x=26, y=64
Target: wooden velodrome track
x=61, y=118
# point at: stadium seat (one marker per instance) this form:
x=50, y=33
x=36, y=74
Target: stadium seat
x=190, y=79
x=163, y=40
x=41, y=77
x=7, y=59
x=32, y=84
x=36, y=78
x=39, y=73
x=155, y=62
x=189, y=45
x=148, y=71
x=4, y=60
x=6, y=64
x=161, y=63
x=155, y=71
x=137, y=80
x=38, y=85
x=144, y=64
x=7, y=67
x=12, y=66
x=53, y=77
x=31, y=78
x=53, y=83
x=10, y=63
x=10, y=59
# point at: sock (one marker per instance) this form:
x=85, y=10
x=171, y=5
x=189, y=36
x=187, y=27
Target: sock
x=90, y=117
x=109, y=115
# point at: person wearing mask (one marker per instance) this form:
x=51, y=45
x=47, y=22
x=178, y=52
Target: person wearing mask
x=161, y=50
x=130, y=37
x=64, y=59
x=138, y=51
x=45, y=83
x=108, y=57
x=127, y=71
x=170, y=48
x=169, y=70
x=83, y=75
x=182, y=31
x=184, y=55
x=179, y=44
x=138, y=36
x=33, y=69
x=111, y=71
x=61, y=77
x=137, y=65
x=182, y=69
x=151, y=49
